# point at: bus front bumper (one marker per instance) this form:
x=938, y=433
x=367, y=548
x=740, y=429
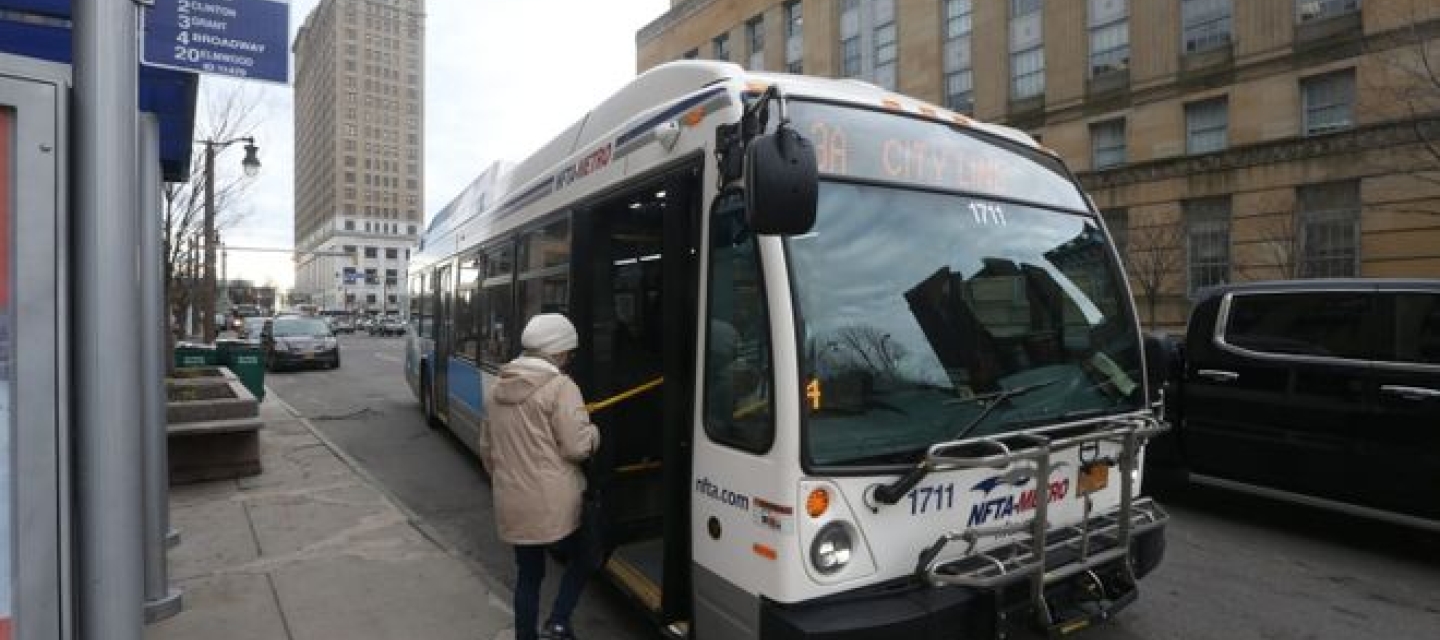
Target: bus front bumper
x=921, y=612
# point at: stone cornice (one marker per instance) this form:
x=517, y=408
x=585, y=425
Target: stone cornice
x=660, y=25
x=1386, y=135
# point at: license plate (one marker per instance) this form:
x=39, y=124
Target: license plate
x=309, y=356
x=1092, y=478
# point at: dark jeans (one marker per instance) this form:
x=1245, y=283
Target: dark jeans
x=530, y=572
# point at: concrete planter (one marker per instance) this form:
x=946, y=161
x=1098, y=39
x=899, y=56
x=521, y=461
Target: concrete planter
x=213, y=426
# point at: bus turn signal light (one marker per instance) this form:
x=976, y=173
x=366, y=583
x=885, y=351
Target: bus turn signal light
x=817, y=503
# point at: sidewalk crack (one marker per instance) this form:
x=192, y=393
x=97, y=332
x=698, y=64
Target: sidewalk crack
x=254, y=535
x=275, y=593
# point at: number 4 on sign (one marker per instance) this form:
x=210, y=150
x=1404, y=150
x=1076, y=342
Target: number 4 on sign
x=812, y=393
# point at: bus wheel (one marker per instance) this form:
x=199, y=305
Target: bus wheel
x=427, y=404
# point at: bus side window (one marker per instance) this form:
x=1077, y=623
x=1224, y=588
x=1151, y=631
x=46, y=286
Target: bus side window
x=739, y=409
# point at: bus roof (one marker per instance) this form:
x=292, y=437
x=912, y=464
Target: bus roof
x=645, y=102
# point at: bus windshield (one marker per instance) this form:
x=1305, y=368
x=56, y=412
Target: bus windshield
x=922, y=310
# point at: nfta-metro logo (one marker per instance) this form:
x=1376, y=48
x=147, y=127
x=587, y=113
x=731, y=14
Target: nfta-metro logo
x=1004, y=506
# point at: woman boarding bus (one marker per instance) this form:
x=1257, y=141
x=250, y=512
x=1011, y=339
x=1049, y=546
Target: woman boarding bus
x=861, y=364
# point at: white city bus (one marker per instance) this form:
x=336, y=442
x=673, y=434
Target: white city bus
x=861, y=365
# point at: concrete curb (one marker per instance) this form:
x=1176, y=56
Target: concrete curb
x=498, y=591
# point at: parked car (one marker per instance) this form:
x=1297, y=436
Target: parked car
x=240, y=312
x=252, y=329
x=299, y=341
x=1324, y=392
x=387, y=326
x=342, y=324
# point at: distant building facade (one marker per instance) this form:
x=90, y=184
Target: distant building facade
x=359, y=151
x=1225, y=140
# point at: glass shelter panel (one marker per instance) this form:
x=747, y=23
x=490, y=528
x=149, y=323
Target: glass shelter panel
x=7, y=423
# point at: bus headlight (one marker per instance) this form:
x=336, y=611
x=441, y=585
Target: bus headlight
x=832, y=548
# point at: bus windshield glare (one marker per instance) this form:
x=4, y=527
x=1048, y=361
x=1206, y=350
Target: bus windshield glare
x=922, y=309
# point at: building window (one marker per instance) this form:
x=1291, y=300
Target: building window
x=392, y=253
x=1207, y=241
x=1329, y=231
x=794, y=37
x=1107, y=142
x=1027, y=49
x=371, y=252
x=755, y=35
x=1205, y=24
x=1109, y=36
x=959, y=79
x=1329, y=102
x=850, y=63
x=349, y=225
x=721, y=45
x=886, y=47
x=1205, y=125
x=1310, y=10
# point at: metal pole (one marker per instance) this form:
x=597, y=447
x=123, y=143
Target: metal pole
x=161, y=601
x=207, y=302
x=109, y=567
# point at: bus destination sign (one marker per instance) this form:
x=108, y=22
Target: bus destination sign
x=235, y=38
x=877, y=145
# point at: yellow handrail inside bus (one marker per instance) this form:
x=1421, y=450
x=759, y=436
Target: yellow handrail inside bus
x=623, y=396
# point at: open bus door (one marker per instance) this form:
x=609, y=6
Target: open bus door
x=636, y=370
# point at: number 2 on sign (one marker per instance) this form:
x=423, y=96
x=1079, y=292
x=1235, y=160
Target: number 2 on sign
x=988, y=214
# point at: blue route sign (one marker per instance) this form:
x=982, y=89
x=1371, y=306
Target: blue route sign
x=236, y=38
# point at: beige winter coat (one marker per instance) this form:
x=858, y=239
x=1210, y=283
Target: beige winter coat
x=535, y=434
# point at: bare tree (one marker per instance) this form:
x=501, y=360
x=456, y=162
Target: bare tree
x=1412, y=80
x=1154, y=255
x=1275, y=254
x=229, y=114
x=860, y=348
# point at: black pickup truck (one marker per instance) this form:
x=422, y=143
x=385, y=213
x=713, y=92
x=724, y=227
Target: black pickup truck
x=1323, y=392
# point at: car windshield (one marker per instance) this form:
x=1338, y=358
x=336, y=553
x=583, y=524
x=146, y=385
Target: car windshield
x=301, y=327
x=921, y=309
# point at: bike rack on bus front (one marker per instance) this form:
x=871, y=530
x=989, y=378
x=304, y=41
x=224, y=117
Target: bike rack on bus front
x=1021, y=559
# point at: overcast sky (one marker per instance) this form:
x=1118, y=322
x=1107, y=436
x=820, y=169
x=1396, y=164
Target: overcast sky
x=502, y=77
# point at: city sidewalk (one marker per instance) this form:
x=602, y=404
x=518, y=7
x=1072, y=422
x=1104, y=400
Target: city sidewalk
x=311, y=550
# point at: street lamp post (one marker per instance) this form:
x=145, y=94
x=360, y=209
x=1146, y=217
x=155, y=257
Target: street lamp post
x=251, y=164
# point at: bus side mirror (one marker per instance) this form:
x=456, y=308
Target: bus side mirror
x=782, y=183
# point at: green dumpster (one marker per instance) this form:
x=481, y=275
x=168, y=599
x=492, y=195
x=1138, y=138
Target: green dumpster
x=246, y=361
x=189, y=354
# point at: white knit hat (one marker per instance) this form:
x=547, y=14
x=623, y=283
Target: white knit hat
x=549, y=334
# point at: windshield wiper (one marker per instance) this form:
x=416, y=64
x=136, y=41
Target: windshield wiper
x=893, y=492
x=995, y=400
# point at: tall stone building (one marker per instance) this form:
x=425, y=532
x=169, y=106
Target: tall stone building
x=1225, y=140
x=359, y=151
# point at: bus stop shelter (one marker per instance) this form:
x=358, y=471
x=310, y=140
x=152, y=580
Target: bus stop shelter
x=87, y=136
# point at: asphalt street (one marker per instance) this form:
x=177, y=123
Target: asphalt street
x=1236, y=568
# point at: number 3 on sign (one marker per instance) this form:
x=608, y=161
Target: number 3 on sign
x=988, y=214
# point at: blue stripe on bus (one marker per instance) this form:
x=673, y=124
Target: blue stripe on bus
x=464, y=380
x=667, y=114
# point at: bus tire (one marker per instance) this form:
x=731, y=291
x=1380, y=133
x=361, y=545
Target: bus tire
x=427, y=403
